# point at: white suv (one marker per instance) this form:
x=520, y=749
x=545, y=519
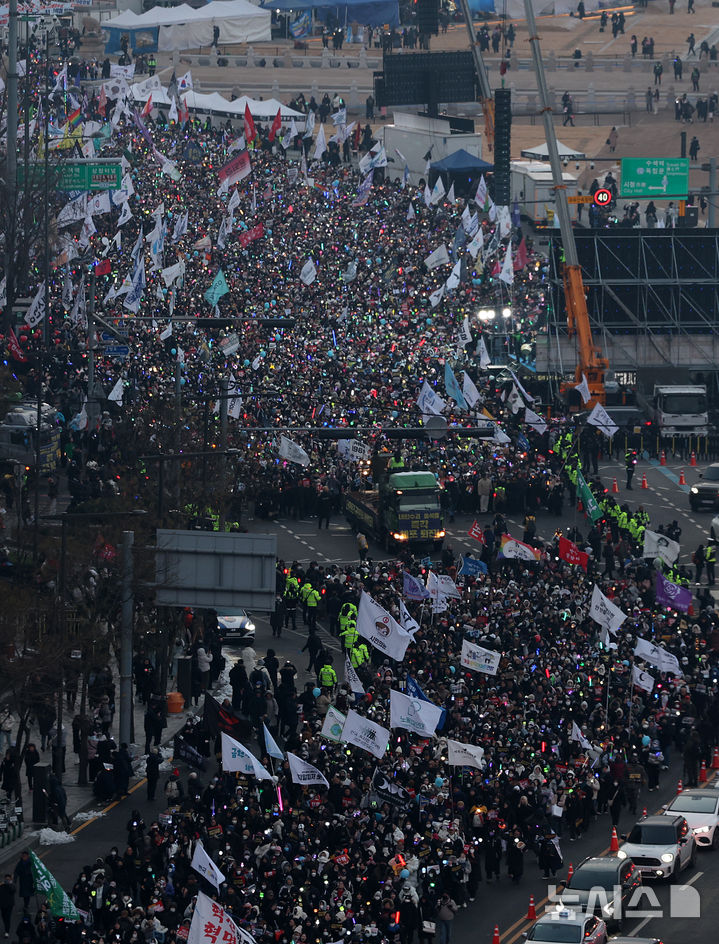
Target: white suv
x=660, y=846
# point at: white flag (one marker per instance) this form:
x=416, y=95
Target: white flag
x=436, y=297
x=184, y=83
x=211, y=923
x=477, y=243
x=410, y=211
x=352, y=679
x=478, y=659
x=172, y=114
x=333, y=724
x=236, y=757
x=308, y=273
x=36, y=312
x=172, y=273
x=442, y=585
x=480, y=197
x=484, y=359
x=125, y=215
x=602, y=420
x=507, y=271
x=454, y=276
x=465, y=755
x=504, y=218
x=535, y=421
x=450, y=196
x=470, y=222
x=413, y=714
x=116, y=393
x=583, y=390
x=430, y=402
x=292, y=452
x=658, y=545
x=469, y=391
x=514, y=401
x=203, y=864
x=366, y=734
x=438, y=192
x=320, y=144
x=77, y=315
x=234, y=404
x=663, y=660
x=73, y=211
x=642, y=679
x=577, y=736
x=137, y=289
x=303, y=773
x=99, y=204
x=439, y=257
x=375, y=624
x=408, y=623
x=166, y=332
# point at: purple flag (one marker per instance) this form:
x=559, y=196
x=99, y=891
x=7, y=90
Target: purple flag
x=413, y=588
x=672, y=595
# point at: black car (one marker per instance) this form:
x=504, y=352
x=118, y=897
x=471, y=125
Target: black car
x=705, y=492
x=593, y=886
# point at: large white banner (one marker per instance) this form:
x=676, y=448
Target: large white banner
x=212, y=925
x=366, y=734
x=303, y=773
x=602, y=420
x=477, y=659
x=292, y=452
x=236, y=757
x=605, y=612
x=465, y=755
x=333, y=724
x=659, y=657
x=416, y=715
x=642, y=679
x=382, y=630
x=442, y=585
x=203, y=864
x=658, y=545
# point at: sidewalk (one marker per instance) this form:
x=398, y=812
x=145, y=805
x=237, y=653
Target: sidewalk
x=81, y=799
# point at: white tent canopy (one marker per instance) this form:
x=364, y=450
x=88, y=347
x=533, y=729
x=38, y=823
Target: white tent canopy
x=185, y=28
x=217, y=103
x=541, y=152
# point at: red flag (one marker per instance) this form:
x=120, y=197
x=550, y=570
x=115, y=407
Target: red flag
x=103, y=268
x=250, y=133
x=276, y=125
x=569, y=552
x=102, y=101
x=497, y=268
x=521, y=256
x=476, y=532
x=148, y=107
x=16, y=352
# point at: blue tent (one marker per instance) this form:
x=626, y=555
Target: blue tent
x=364, y=12
x=461, y=162
x=461, y=169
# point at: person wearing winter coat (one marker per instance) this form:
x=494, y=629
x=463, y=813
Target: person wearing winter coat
x=204, y=662
x=515, y=856
x=550, y=856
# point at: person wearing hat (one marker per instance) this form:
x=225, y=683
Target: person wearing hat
x=515, y=855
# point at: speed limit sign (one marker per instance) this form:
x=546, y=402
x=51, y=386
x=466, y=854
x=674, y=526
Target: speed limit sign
x=602, y=197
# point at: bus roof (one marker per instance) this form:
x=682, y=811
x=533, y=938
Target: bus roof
x=405, y=480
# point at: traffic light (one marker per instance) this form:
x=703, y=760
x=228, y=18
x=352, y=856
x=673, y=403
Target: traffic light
x=428, y=17
x=502, y=143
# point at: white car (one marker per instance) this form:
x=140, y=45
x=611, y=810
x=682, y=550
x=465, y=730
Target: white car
x=700, y=808
x=568, y=927
x=660, y=846
x=714, y=528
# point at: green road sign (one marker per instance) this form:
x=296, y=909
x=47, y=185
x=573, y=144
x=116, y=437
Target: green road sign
x=650, y=177
x=75, y=175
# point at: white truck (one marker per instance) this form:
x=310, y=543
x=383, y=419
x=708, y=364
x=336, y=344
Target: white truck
x=680, y=409
x=533, y=189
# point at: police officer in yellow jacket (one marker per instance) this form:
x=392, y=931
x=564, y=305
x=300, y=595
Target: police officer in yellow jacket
x=710, y=557
x=327, y=677
x=350, y=635
x=312, y=601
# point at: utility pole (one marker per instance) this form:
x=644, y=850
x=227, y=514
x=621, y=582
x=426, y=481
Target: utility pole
x=126, y=627
x=224, y=391
x=11, y=161
x=91, y=341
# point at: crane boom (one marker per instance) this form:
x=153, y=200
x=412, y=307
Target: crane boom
x=485, y=90
x=589, y=362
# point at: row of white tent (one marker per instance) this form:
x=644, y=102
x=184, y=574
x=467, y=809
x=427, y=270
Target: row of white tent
x=214, y=103
x=183, y=27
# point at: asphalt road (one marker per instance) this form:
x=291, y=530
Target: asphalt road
x=501, y=904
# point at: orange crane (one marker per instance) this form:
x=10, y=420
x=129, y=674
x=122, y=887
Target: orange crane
x=590, y=362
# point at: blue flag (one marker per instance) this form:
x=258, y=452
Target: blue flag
x=472, y=567
x=413, y=588
x=415, y=690
x=271, y=745
x=453, y=388
x=218, y=288
x=523, y=442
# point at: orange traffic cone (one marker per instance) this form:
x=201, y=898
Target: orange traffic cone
x=531, y=911
x=680, y=787
x=614, y=844
x=495, y=936
x=682, y=479
x=663, y=457
x=644, y=480
x=570, y=873
x=715, y=759
x=615, y=487
x=703, y=772
x=693, y=458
